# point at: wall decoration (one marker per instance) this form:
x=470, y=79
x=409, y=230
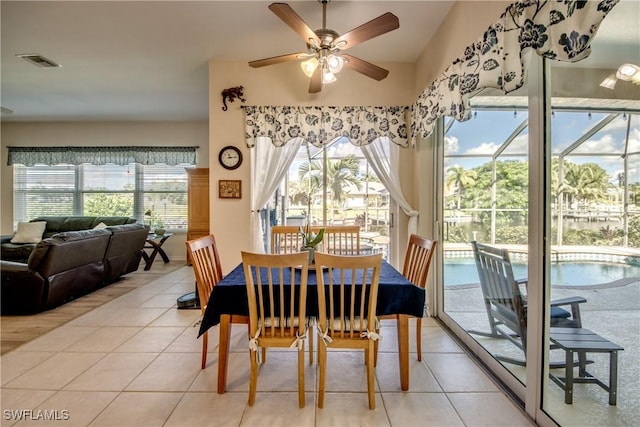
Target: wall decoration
x=230, y=189
x=232, y=94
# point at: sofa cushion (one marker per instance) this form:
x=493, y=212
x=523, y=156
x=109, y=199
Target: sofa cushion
x=58, y=224
x=29, y=232
x=71, y=249
x=112, y=220
x=101, y=225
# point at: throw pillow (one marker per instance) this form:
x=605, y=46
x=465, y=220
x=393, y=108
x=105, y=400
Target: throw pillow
x=101, y=225
x=29, y=232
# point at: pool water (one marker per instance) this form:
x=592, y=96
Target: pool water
x=460, y=271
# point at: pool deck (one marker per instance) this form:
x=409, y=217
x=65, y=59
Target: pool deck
x=612, y=310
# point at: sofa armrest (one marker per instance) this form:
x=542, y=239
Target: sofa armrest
x=23, y=290
x=11, y=267
x=6, y=238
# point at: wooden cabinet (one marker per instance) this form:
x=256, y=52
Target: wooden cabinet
x=198, y=203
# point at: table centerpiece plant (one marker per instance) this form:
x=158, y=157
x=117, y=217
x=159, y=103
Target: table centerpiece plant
x=311, y=241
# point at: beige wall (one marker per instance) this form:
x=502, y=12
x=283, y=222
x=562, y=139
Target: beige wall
x=98, y=134
x=282, y=84
x=465, y=23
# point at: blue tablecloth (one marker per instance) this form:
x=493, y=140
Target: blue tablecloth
x=396, y=295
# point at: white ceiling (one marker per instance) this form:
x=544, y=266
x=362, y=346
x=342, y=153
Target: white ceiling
x=148, y=60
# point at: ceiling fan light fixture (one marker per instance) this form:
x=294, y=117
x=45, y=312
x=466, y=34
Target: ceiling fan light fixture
x=328, y=77
x=609, y=82
x=627, y=71
x=309, y=66
x=335, y=63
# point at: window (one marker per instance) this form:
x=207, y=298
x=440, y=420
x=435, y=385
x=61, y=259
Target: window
x=337, y=186
x=103, y=190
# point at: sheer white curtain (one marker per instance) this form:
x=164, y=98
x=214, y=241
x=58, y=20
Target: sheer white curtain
x=269, y=165
x=380, y=154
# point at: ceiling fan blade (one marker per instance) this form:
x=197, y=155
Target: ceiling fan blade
x=364, y=67
x=374, y=28
x=293, y=20
x=278, y=59
x=316, y=81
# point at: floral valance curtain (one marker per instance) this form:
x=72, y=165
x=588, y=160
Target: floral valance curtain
x=559, y=30
x=320, y=125
x=30, y=156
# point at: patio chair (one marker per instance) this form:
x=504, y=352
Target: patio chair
x=505, y=304
x=277, y=309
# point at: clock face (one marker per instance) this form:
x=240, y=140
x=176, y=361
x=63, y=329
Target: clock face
x=230, y=157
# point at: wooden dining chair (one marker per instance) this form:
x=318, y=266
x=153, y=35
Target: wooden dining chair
x=203, y=255
x=341, y=240
x=417, y=261
x=347, y=299
x=285, y=239
x=277, y=308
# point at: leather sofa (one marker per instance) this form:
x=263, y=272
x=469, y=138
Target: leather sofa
x=19, y=252
x=70, y=264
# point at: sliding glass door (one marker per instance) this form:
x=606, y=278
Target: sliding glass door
x=550, y=177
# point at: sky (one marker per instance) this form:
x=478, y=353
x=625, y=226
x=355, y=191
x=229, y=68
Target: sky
x=487, y=130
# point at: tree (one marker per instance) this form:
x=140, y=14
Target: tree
x=585, y=183
x=512, y=182
x=106, y=204
x=460, y=178
x=341, y=174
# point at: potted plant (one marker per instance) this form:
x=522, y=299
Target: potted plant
x=310, y=241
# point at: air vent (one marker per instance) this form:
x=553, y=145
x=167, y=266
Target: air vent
x=38, y=60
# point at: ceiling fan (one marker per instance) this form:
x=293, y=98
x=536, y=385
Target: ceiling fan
x=324, y=57
x=626, y=72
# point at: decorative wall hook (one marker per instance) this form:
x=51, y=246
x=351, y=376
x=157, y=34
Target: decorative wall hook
x=231, y=94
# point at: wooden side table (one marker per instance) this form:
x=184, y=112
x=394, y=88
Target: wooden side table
x=155, y=242
x=583, y=341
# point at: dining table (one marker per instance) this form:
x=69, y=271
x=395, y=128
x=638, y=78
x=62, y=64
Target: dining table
x=228, y=304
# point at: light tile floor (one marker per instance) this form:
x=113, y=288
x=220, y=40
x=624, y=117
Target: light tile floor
x=135, y=361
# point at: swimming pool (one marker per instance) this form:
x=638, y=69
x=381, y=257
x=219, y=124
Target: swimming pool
x=459, y=271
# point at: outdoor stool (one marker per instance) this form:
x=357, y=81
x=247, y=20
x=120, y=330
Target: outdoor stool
x=583, y=341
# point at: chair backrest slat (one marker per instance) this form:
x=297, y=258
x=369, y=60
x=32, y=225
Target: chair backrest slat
x=417, y=259
x=277, y=304
x=352, y=286
x=340, y=239
x=503, y=299
x=204, y=257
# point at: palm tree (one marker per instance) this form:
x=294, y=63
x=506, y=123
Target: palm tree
x=460, y=178
x=586, y=183
x=341, y=174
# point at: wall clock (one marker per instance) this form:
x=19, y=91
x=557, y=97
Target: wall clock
x=230, y=157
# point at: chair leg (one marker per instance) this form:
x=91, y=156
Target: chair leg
x=375, y=353
x=301, y=401
x=205, y=346
x=419, y=338
x=310, y=333
x=253, y=377
x=322, y=365
x=371, y=375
